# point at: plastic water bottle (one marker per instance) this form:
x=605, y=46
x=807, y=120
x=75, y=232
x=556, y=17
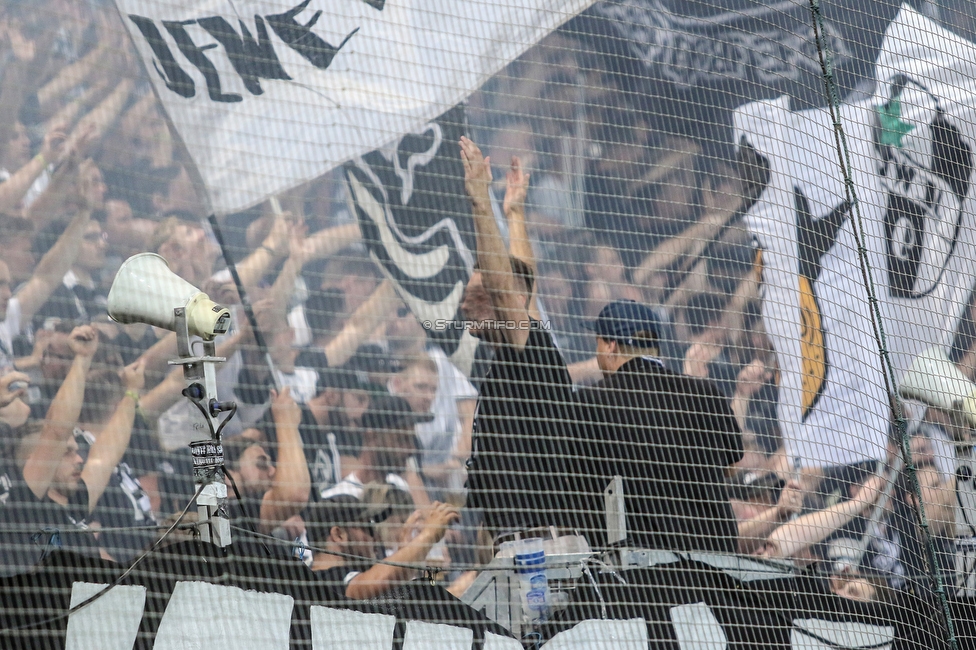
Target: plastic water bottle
x=530, y=563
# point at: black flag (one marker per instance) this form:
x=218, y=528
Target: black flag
x=416, y=220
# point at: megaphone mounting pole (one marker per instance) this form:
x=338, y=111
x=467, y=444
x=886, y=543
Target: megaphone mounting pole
x=199, y=374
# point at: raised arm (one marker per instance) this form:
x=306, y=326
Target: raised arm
x=380, y=578
x=170, y=389
x=274, y=247
x=84, y=102
x=93, y=126
x=519, y=244
x=12, y=190
x=111, y=443
x=51, y=269
x=331, y=240
x=62, y=415
x=790, y=539
x=753, y=532
x=18, y=75
x=370, y=315
x=493, y=258
x=284, y=285
x=277, y=244
x=292, y=483
x=68, y=77
x=720, y=205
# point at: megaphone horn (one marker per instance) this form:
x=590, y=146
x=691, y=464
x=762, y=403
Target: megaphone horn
x=936, y=381
x=145, y=290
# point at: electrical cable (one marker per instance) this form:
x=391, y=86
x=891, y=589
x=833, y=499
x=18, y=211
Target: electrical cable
x=146, y=553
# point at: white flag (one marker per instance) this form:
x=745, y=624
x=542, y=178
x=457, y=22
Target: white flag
x=833, y=406
x=267, y=94
x=924, y=142
x=911, y=154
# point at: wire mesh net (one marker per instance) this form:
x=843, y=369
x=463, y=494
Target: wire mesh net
x=548, y=323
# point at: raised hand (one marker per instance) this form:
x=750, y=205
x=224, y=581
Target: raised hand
x=439, y=517
x=53, y=144
x=698, y=356
x=134, y=375
x=78, y=142
x=869, y=492
x=8, y=395
x=91, y=189
x=299, y=248
x=278, y=238
x=22, y=47
x=516, y=187
x=790, y=500
x=83, y=341
x=284, y=410
x=751, y=378
x=477, y=173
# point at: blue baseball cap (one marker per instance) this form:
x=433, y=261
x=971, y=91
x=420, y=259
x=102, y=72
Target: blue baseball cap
x=620, y=320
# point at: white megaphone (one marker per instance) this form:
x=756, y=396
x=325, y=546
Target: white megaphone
x=936, y=381
x=146, y=291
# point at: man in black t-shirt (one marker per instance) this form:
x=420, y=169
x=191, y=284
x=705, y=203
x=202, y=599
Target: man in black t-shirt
x=31, y=526
x=55, y=492
x=518, y=474
x=671, y=437
x=55, y=498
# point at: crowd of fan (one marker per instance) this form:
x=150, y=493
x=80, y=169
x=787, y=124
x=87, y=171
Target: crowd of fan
x=362, y=450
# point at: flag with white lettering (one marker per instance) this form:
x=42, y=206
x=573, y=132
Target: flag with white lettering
x=267, y=94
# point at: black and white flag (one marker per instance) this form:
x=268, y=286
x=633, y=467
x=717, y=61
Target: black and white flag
x=267, y=94
x=416, y=221
x=911, y=163
x=753, y=49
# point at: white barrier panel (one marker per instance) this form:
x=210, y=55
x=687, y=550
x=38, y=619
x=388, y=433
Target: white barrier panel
x=697, y=628
x=602, y=635
x=224, y=618
x=495, y=642
x=817, y=634
x=337, y=629
x=111, y=622
x=420, y=636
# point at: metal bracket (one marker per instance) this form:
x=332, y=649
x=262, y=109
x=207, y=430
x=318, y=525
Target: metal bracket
x=200, y=371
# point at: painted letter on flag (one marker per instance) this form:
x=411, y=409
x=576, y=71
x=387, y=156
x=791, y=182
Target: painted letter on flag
x=267, y=94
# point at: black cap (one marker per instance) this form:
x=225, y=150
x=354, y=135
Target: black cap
x=360, y=372
x=343, y=510
x=347, y=379
x=392, y=412
x=621, y=320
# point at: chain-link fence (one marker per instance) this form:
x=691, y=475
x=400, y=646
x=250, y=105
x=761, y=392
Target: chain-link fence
x=536, y=323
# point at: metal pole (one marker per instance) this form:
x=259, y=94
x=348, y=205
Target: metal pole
x=245, y=301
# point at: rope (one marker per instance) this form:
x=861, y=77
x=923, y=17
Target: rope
x=844, y=160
